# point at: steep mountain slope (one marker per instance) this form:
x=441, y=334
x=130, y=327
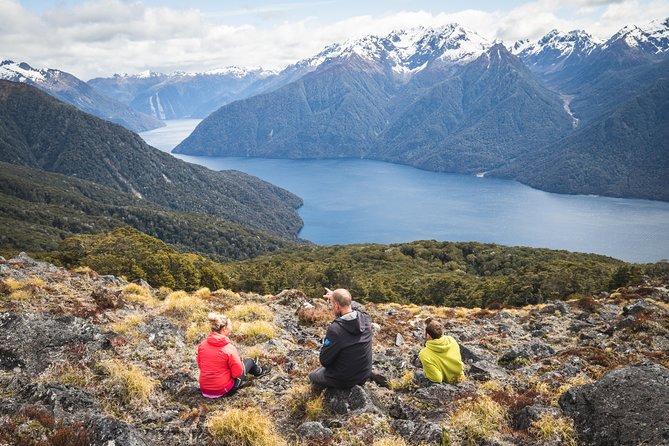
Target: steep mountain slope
x=335, y=111
x=75, y=92
x=39, y=209
x=38, y=131
x=182, y=95
x=441, y=103
x=489, y=112
x=623, y=154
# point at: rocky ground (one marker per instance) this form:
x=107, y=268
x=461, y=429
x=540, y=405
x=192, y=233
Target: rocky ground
x=91, y=360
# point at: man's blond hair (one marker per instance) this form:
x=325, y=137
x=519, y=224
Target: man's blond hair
x=341, y=297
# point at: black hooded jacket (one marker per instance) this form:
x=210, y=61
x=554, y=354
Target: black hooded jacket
x=346, y=353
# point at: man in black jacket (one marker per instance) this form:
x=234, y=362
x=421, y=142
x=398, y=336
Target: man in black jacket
x=346, y=354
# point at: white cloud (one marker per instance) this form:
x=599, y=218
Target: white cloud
x=101, y=37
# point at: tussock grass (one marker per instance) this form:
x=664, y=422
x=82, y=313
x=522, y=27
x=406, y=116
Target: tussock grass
x=12, y=284
x=314, y=408
x=67, y=373
x=550, y=428
x=476, y=421
x=203, y=293
x=390, y=441
x=134, y=384
x=254, y=332
x=255, y=351
x=403, y=382
x=242, y=427
x=250, y=312
x=128, y=325
x=197, y=331
x=162, y=292
x=21, y=295
x=138, y=294
x=185, y=306
x=226, y=294
x=304, y=401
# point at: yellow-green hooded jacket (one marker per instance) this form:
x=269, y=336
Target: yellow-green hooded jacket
x=441, y=360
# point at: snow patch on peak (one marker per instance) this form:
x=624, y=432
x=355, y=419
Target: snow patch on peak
x=653, y=37
x=21, y=72
x=407, y=51
x=562, y=45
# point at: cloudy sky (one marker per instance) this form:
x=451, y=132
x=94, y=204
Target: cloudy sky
x=91, y=38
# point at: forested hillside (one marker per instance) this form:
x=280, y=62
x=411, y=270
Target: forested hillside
x=38, y=131
x=39, y=209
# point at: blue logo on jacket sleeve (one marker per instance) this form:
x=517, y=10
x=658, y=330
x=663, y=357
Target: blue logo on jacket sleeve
x=327, y=342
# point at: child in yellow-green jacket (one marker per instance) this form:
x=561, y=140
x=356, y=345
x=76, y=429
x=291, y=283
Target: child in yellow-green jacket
x=441, y=356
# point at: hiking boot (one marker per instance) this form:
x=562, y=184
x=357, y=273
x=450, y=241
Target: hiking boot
x=264, y=370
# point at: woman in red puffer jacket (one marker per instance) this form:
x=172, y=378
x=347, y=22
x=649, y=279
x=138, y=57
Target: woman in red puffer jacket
x=222, y=371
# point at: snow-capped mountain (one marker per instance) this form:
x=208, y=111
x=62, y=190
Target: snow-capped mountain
x=182, y=94
x=555, y=50
x=408, y=51
x=76, y=92
x=652, y=38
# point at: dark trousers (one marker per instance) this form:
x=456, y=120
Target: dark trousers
x=318, y=379
x=250, y=367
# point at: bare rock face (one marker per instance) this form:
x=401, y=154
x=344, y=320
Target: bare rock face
x=31, y=341
x=342, y=401
x=627, y=406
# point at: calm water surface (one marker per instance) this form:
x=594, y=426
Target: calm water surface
x=359, y=201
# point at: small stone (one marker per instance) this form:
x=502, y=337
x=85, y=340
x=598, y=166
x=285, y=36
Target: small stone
x=314, y=429
x=399, y=340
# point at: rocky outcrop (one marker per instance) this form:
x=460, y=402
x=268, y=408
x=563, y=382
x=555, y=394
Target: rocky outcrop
x=31, y=341
x=627, y=406
x=61, y=330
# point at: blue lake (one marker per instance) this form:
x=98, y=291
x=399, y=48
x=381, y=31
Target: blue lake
x=359, y=201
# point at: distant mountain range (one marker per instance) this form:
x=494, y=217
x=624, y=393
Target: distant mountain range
x=153, y=191
x=76, y=92
x=446, y=99
x=182, y=95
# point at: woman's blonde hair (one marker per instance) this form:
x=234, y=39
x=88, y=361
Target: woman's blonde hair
x=218, y=321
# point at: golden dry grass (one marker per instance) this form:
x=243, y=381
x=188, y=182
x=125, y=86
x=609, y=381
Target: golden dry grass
x=254, y=332
x=550, y=428
x=184, y=306
x=242, y=427
x=134, y=384
x=250, y=312
x=138, y=294
x=477, y=420
x=390, y=441
x=128, y=325
x=197, y=331
x=403, y=382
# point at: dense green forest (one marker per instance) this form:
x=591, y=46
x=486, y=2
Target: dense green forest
x=129, y=253
x=422, y=272
x=439, y=273
x=39, y=209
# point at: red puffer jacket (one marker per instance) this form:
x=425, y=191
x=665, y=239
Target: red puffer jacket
x=219, y=364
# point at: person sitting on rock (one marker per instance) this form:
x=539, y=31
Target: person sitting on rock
x=440, y=357
x=346, y=353
x=222, y=372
